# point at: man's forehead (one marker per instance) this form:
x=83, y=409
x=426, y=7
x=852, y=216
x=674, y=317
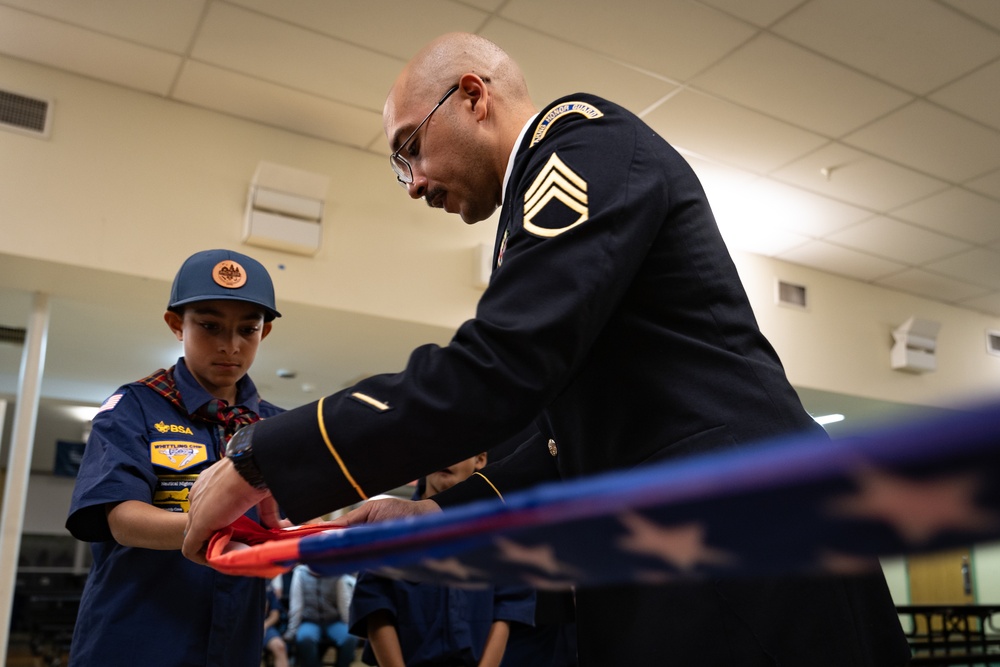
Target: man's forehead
x=396, y=121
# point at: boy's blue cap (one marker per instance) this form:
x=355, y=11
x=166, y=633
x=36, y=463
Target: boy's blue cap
x=223, y=274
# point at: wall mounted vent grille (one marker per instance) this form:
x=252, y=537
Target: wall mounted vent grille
x=13, y=335
x=789, y=294
x=993, y=341
x=24, y=114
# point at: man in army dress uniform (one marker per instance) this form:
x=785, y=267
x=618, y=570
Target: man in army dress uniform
x=614, y=322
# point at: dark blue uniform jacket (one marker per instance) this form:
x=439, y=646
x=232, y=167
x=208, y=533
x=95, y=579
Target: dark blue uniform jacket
x=616, y=322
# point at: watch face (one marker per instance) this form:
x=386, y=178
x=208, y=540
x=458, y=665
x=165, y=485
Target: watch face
x=240, y=442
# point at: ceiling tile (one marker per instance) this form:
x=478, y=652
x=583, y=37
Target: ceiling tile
x=796, y=210
x=897, y=240
x=161, y=25
x=554, y=69
x=379, y=26
x=932, y=286
x=743, y=210
x=759, y=12
x=769, y=242
x=81, y=51
x=976, y=95
x=246, y=97
x=841, y=261
x=787, y=82
x=988, y=185
x=979, y=266
x=858, y=178
x=245, y=42
x=674, y=38
x=931, y=139
x=984, y=10
x=487, y=5
x=956, y=212
x=729, y=133
x=917, y=45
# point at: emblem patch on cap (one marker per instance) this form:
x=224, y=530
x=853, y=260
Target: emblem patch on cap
x=556, y=201
x=229, y=274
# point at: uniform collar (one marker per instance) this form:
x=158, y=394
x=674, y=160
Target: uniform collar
x=513, y=152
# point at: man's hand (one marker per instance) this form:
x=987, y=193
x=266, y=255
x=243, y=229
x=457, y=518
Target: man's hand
x=383, y=509
x=218, y=497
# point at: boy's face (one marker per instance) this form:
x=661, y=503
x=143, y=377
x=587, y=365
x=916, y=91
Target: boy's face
x=220, y=341
x=452, y=475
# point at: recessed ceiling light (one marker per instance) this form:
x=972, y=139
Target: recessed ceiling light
x=823, y=420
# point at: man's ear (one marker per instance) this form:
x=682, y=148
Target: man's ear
x=474, y=88
x=175, y=322
x=480, y=461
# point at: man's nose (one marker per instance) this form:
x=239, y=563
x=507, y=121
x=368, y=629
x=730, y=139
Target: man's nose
x=417, y=188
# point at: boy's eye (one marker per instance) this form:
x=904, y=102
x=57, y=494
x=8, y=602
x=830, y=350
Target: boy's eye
x=249, y=331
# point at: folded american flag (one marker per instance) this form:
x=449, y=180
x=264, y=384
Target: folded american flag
x=790, y=506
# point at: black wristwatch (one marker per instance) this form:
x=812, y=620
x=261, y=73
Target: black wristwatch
x=240, y=452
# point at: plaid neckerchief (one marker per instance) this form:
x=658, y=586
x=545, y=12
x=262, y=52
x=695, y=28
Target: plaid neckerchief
x=229, y=418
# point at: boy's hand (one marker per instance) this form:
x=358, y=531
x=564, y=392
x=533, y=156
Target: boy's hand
x=219, y=497
x=383, y=509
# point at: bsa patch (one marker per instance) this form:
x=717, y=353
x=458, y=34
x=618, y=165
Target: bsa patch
x=555, y=112
x=177, y=454
x=163, y=427
x=555, y=201
x=172, y=492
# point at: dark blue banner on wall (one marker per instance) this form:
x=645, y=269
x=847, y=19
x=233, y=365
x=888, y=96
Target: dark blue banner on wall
x=68, y=456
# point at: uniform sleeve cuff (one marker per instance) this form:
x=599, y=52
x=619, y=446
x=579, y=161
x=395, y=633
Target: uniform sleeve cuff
x=476, y=487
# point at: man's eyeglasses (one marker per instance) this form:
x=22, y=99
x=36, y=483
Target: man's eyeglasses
x=404, y=172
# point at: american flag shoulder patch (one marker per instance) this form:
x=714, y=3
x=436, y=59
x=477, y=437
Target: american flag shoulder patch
x=110, y=403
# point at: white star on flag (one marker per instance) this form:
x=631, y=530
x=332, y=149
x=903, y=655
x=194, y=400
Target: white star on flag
x=917, y=509
x=542, y=556
x=454, y=567
x=682, y=546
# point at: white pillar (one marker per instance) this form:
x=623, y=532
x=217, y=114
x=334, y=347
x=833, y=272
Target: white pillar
x=19, y=459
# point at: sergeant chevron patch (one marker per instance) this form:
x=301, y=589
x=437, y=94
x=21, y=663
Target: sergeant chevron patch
x=555, y=183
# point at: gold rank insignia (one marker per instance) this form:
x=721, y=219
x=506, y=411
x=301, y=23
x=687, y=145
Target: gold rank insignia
x=555, y=201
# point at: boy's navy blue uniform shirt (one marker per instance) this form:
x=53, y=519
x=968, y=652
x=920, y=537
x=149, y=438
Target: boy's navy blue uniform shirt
x=143, y=602
x=438, y=625
x=616, y=321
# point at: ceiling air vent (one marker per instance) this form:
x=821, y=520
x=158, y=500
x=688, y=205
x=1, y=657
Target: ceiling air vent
x=993, y=341
x=28, y=115
x=13, y=335
x=789, y=294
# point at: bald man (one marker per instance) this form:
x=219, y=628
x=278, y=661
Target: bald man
x=614, y=323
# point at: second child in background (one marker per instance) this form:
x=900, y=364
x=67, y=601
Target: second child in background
x=411, y=624
x=317, y=617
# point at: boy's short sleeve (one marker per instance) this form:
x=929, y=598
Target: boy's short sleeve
x=115, y=467
x=372, y=593
x=515, y=604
